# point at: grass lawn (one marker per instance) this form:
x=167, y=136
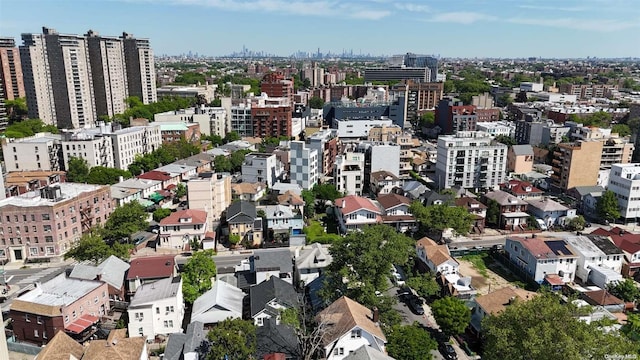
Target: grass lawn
x=483, y=261
x=479, y=262
x=315, y=233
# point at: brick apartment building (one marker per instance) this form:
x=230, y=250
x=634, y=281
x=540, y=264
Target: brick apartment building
x=271, y=117
x=452, y=116
x=44, y=224
x=276, y=85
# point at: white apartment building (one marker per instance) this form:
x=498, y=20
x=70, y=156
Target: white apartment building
x=358, y=128
x=470, y=159
x=141, y=72
x=210, y=192
x=95, y=148
x=303, y=165
x=322, y=141
x=157, y=308
x=241, y=120
x=349, y=173
x=386, y=157
x=130, y=142
x=109, y=74
x=37, y=78
x=495, y=128
x=212, y=120
x=262, y=168
x=39, y=152
x=624, y=181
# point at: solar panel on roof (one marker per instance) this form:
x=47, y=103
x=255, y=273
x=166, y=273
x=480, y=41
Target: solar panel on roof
x=558, y=247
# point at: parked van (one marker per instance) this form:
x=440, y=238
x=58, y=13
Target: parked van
x=542, y=225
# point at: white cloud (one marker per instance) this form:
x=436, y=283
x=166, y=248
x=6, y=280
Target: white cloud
x=554, y=8
x=462, y=17
x=412, y=7
x=597, y=25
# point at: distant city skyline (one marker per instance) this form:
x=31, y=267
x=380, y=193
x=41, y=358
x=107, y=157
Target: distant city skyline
x=465, y=28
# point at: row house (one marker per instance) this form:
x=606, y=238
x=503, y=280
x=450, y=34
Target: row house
x=167, y=180
x=599, y=260
x=629, y=243
x=134, y=190
x=547, y=260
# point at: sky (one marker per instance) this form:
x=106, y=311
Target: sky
x=449, y=28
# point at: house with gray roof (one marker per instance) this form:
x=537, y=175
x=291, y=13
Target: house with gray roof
x=193, y=344
x=221, y=302
x=272, y=262
x=587, y=197
x=270, y=297
x=273, y=337
x=367, y=353
x=282, y=221
x=513, y=213
x=242, y=220
x=157, y=308
x=550, y=211
x=414, y=189
x=310, y=261
x=112, y=271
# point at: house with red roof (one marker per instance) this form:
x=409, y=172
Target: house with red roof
x=542, y=258
x=179, y=229
x=523, y=190
x=396, y=212
x=354, y=212
x=166, y=178
x=148, y=269
x=629, y=243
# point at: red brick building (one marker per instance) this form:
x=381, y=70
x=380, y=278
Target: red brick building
x=276, y=85
x=271, y=117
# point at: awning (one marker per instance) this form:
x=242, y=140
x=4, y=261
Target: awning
x=164, y=193
x=155, y=197
x=82, y=323
x=145, y=203
x=171, y=186
x=554, y=280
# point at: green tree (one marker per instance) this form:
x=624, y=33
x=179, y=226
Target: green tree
x=197, y=275
x=442, y=216
x=410, y=342
x=316, y=102
x=231, y=136
x=29, y=127
x=577, y=223
x=234, y=339
x=607, y=206
x=91, y=247
x=237, y=159
x=216, y=140
x=424, y=284
x=505, y=139
x=234, y=239
x=181, y=190
x=102, y=175
x=77, y=170
x=309, y=203
x=326, y=192
x=124, y=221
x=428, y=119
x=543, y=328
x=451, y=314
x=493, y=212
x=160, y=214
x=16, y=108
x=222, y=163
x=621, y=129
x=626, y=290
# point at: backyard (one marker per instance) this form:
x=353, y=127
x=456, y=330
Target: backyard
x=486, y=273
x=315, y=230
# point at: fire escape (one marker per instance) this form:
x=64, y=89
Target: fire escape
x=102, y=148
x=145, y=142
x=53, y=157
x=86, y=218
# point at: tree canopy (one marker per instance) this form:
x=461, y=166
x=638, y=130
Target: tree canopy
x=164, y=155
x=29, y=127
x=124, y=221
x=160, y=214
x=625, y=290
x=136, y=109
x=424, y=284
x=505, y=139
x=451, y=314
x=234, y=339
x=197, y=275
x=545, y=328
x=316, y=102
x=442, y=216
x=92, y=247
x=77, y=170
x=621, y=129
x=326, y=192
x=607, y=206
x=410, y=342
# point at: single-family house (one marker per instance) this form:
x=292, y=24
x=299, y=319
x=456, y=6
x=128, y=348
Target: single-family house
x=193, y=344
x=134, y=189
x=222, y=301
x=368, y=353
x=354, y=212
x=165, y=178
x=477, y=210
x=513, y=210
x=276, y=341
x=595, y=253
x=246, y=191
x=550, y=211
x=112, y=271
x=587, y=197
x=62, y=303
x=541, y=257
x=182, y=227
x=61, y=346
x=182, y=170
x=117, y=346
x=495, y=302
x=349, y=326
x=282, y=222
x=268, y=298
x=143, y=270
x=310, y=262
x=243, y=221
x=396, y=212
x=383, y=182
x=414, y=189
x=523, y=190
x=292, y=200
x=157, y=308
x=436, y=258
x=629, y=243
x=274, y=262
x=605, y=299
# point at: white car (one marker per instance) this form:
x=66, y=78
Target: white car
x=397, y=277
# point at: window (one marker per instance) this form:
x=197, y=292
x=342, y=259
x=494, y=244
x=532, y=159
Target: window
x=158, y=310
x=356, y=334
x=95, y=301
x=35, y=333
x=45, y=217
x=74, y=315
x=141, y=331
x=260, y=321
x=44, y=334
x=66, y=319
x=26, y=318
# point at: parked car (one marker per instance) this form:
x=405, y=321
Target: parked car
x=447, y=350
x=415, y=303
x=404, y=292
x=396, y=276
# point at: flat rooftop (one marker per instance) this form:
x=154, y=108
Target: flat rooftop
x=33, y=198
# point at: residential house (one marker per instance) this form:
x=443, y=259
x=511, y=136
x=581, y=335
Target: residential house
x=523, y=190
x=134, y=189
x=396, y=212
x=144, y=270
x=292, y=200
x=513, y=215
x=367, y=353
x=268, y=298
x=165, y=178
x=282, y=222
x=276, y=341
x=354, y=212
x=604, y=299
x=414, y=189
x=62, y=303
x=550, y=211
x=117, y=346
x=281, y=188
x=243, y=221
x=246, y=191
x=477, y=210
x=274, y=262
x=180, y=170
x=349, y=325
x=436, y=258
x=542, y=257
x=520, y=159
x=157, y=308
x=495, y=302
x=383, y=182
x=629, y=243
x=262, y=168
x=112, y=271
x=222, y=301
x=587, y=197
x=436, y=198
x=191, y=345
x=310, y=262
x=61, y=346
x=456, y=286
x=596, y=253
x=179, y=229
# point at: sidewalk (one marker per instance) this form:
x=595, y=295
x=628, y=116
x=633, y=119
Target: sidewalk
x=17, y=265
